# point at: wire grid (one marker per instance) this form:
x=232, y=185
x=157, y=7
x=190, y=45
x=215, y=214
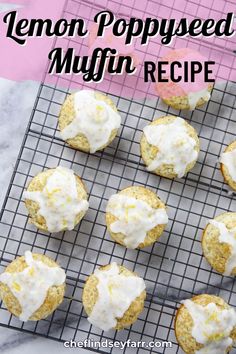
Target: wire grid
x=173, y=268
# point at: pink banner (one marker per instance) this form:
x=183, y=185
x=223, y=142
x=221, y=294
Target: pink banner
x=29, y=61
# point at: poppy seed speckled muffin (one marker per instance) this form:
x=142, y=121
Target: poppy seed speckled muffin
x=56, y=200
x=184, y=94
x=113, y=297
x=169, y=147
x=228, y=165
x=205, y=324
x=219, y=243
x=136, y=217
x=32, y=286
x=89, y=121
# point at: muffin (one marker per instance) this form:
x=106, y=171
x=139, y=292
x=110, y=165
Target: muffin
x=56, y=200
x=169, y=147
x=228, y=165
x=183, y=94
x=109, y=40
x=135, y=217
x=89, y=121
x=219, y=243
x=113, y=297
x=32, y=286
x=205, y=324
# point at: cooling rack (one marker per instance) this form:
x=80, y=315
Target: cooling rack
x=173, y=268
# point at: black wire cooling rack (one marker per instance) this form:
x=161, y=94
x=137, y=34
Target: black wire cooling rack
x=173, y=268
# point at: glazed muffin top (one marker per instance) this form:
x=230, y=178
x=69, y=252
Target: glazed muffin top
x=228, y=165
x=196, y=91
x=26, y=285
x=56, y=199
x=219, y=243
x=113, y=297
x=169, y=146
x=89, y=120
x=136, y=217
x=205, y=323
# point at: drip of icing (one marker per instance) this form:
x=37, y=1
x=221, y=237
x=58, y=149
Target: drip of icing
x=30, y=286
x=93, y=118
x=59, y=202
x=229, y=160
x=227, y=236
x=175, y=146
x=211, y=326
x=115, y=294
x=135, y=218
x=194, y=97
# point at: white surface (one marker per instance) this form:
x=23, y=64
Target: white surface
x=16, y=102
